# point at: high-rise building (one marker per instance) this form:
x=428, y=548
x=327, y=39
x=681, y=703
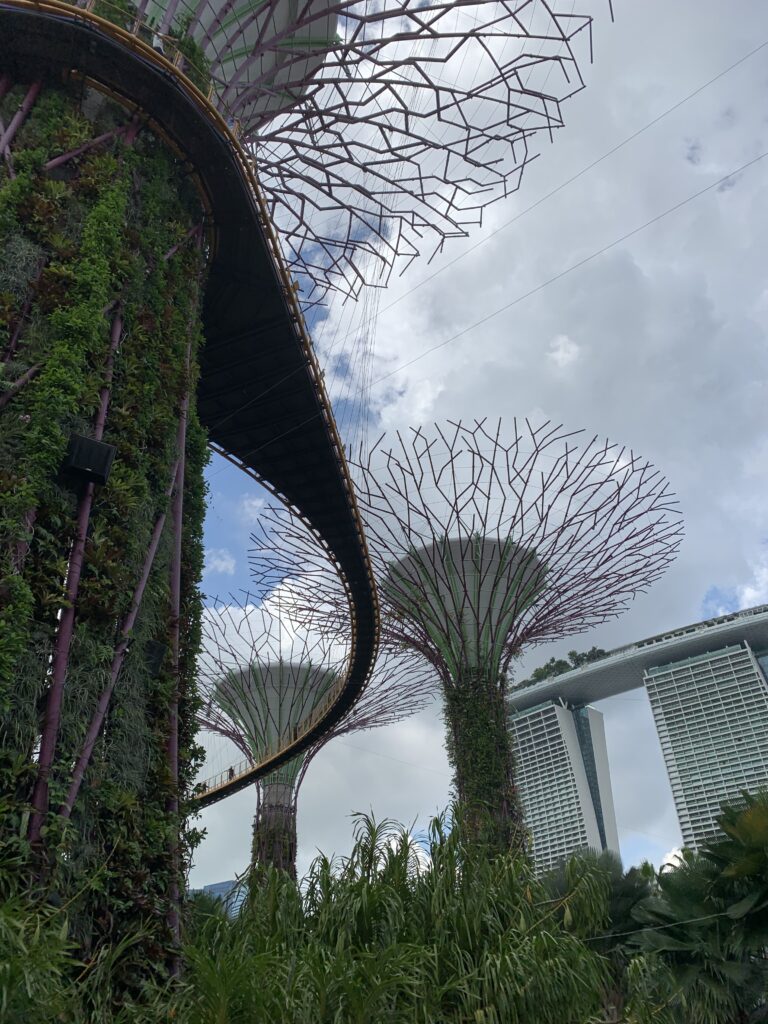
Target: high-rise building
x=562, y=774
x=708, y=688
x=231, y=893
x=711, y=713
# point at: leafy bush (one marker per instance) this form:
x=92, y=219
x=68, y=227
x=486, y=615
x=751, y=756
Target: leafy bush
x=397, y=932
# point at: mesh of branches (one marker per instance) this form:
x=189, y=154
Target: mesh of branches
x=374, y=126
x=483, y=545
x=263, y=674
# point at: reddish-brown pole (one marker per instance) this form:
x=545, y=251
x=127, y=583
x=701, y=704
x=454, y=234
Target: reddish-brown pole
x=20, y=116
x=177, y=512
x=65, y=631
x=17, y=385
x=64, y=158
x=117, y=661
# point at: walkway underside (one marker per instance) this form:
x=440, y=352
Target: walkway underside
x=260, y=394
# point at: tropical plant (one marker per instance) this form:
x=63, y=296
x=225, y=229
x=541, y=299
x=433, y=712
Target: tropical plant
x=626, y=890
x=692, y=930
x=99, y=336
x=402, y=931
x=741, y=861
x=556, y=666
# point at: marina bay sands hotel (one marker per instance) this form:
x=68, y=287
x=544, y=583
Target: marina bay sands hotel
x=708, y=689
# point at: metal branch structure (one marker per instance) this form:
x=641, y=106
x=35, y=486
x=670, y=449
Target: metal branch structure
x=390, y=126
x=376, y=130
x=262, y=678
x=484, y=546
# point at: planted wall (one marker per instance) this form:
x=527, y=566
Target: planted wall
x=100, y=289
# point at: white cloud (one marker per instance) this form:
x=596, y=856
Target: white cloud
x=249, y=509
x=563, y=351
x=756, y=591
x=219, y=560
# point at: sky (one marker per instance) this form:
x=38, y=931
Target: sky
x=654, y=338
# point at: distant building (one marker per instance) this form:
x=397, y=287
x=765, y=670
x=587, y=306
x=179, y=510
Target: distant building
x=565, y=788
x=708, y=688
x=231, y=894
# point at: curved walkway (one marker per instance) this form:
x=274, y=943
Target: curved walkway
x=261, y=394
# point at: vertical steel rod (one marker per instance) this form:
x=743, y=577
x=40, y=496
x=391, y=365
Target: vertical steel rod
x=117, y=661
x=177, y=511
x=65, y=631
x=17, y=385
x=20, y=116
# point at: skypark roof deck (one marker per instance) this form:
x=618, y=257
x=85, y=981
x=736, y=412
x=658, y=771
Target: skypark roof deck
x=622, y=669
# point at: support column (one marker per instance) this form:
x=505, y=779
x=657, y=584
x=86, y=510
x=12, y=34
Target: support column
x=173, y=718
x=20, y=116
x=17, y=385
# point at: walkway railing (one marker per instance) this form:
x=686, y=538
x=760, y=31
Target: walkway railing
x=232, y=778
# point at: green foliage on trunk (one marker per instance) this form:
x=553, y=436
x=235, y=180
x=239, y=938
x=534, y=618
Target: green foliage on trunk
x=480, y=752
x=274, y=842
x=87, y=240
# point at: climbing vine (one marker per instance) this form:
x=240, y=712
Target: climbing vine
x=480, y=751
x=90, y=241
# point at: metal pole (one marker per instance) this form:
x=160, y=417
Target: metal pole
x=177, y=512
x=17, y=385
x=190, y=234
x=65, y=631
x=117, y=661
x=20, y=116
x=57, y=161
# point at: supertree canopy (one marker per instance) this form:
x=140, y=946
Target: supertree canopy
x=419, y=116
x=483, y=546
x=261, y=681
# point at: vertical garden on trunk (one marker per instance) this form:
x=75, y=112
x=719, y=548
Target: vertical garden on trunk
x=101, y=231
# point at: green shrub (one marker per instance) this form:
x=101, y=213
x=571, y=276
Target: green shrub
x=397, y=933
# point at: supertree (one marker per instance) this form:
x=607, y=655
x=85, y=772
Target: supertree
x=483, y=547
x=261, y=681
x=133, y=229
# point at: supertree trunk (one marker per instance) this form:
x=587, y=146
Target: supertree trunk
x=274, y=828
x=100, y=333
x=480, y=752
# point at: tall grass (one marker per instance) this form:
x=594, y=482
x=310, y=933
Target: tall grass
x=396, y=933
x=430, y=933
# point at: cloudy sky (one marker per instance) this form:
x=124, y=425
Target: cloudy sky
x=655, y=340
